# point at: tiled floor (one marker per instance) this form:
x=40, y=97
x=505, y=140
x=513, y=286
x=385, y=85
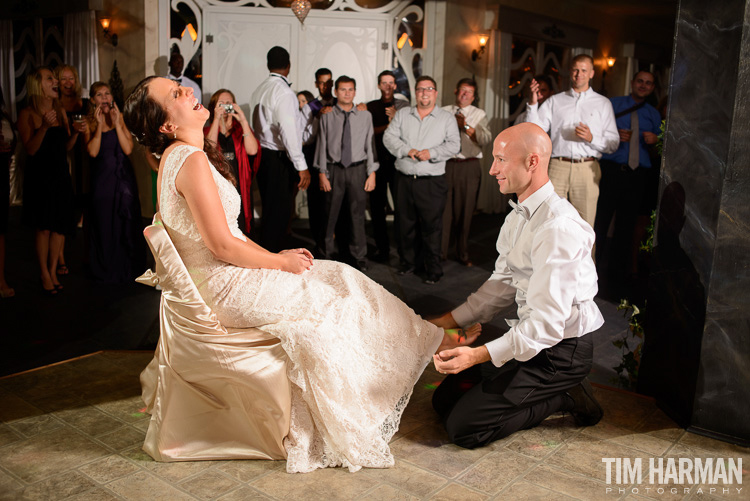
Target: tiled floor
x=73, y=431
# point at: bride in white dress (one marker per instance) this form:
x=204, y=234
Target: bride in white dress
x=355, y=351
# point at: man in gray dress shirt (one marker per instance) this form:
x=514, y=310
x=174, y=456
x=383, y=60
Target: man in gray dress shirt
x=422, y=138
x=346, y=162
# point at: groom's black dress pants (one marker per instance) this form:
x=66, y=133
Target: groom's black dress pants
x=485, y=403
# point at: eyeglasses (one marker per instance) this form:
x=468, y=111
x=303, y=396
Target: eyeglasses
x=424, y=89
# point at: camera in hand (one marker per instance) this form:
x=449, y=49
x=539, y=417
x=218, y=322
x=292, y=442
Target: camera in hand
x=229, y=108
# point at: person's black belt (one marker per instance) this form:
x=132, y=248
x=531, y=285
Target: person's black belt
x=354, y=164
x=414, y=176
x=461, y=160
x=576, y=160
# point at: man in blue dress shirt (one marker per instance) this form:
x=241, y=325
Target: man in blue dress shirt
x=625, y=175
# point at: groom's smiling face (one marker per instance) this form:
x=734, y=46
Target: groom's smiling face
x=510, y=166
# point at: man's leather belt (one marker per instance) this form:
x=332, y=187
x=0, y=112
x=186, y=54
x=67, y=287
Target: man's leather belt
x=462, y=160
x=353, y=164
x=576, y=160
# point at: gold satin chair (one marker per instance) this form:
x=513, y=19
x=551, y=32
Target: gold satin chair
x=212, y=392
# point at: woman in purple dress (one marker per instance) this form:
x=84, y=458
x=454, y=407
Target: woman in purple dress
x=116, y=250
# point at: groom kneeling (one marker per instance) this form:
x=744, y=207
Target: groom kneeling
x=539, y=366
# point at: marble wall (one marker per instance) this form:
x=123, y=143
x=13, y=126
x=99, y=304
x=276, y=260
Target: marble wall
x=697, y=348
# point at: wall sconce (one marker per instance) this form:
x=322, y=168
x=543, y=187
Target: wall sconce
x=610, y=61
x=477, y=54
x=112, y=37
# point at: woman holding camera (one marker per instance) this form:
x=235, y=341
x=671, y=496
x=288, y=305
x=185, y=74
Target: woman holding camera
x=234, y=138
x=116, y=250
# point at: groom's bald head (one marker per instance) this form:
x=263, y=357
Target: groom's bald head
x=521, y=157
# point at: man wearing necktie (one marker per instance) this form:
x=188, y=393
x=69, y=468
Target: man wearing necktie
x=625, y=176
x=545, y=268
x=176, y=65
x=345, y=159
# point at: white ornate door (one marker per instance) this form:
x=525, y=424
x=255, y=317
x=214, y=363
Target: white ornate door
x=236, y=42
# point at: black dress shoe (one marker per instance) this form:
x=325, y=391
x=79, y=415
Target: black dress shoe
x=432, y=279
x=406, y=270
x=586, y=410
x=467, y=262
x=362, y=265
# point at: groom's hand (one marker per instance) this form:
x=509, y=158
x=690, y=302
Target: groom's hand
x=459, y=359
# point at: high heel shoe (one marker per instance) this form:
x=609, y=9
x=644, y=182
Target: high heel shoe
x=49, y=292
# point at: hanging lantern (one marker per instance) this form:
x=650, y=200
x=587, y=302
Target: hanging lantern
x=301, y=9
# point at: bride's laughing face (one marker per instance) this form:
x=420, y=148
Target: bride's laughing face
x=182, y=107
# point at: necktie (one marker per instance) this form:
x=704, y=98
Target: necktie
x=633, y=160
x=346, y=142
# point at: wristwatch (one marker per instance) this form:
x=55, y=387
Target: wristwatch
x=466, y=127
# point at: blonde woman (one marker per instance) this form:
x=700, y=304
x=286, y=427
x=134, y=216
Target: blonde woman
x=48, y=192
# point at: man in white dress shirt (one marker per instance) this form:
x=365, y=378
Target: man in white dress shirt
x=540, y=365
x=463, y=172
x=176, y=65
x=282, y=164
x=582, y=126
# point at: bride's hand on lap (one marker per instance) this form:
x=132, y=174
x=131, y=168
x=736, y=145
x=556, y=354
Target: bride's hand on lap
x=296, y=260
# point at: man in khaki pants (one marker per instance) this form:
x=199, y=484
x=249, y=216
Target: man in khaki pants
x=582, y=127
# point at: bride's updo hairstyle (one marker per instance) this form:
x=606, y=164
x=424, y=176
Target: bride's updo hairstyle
x=144, y=115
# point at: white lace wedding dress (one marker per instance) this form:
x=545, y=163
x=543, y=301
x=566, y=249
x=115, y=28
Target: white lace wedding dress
x=355, y=351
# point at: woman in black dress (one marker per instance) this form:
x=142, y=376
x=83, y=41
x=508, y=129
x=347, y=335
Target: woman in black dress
x=48, y=191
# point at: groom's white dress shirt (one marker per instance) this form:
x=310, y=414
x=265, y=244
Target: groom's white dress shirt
x=545, y=266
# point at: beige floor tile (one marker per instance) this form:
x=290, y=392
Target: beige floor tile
x=128, y=409
x=565, y=482
x=108, y=469
x=622, y=409
x=15, y=408
x=244, y=494
x=523, y=490
x=171, y=472
x=96, y=494
x=39, y=383
x=408, y=478
x=32, y=426
x=209, y=485
x=58, y=487
x=422, y=410
x=9, y=486
x=660, y=425
x=123, y=438
x=423, y=439
x=7, y=435
x=452, y=492
x=541, y=441
x=449, y=460
x=245, y=471
x=583, y=454
x=717, y=447
x=144, y=486
x=328, y=484
x=389, y=492
x=45, y=455
x=496, y=470
x=643, y=442
x=89, y=420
